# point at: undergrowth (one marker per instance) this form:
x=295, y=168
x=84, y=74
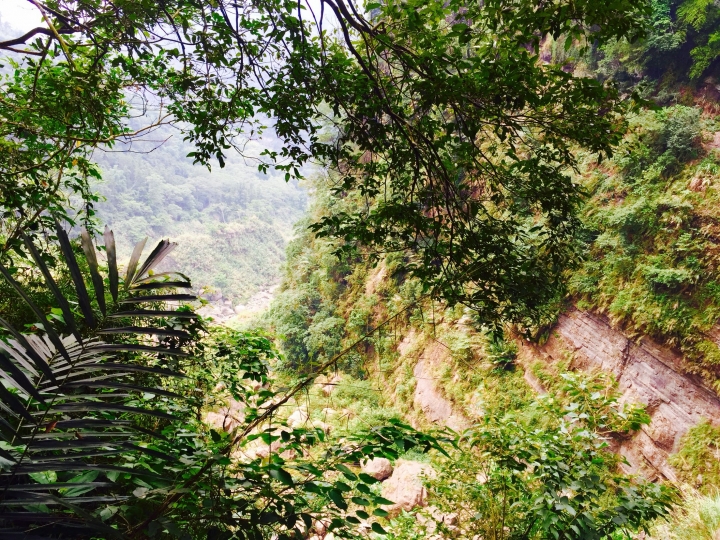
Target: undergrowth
x=653, y=236
x=698, y=460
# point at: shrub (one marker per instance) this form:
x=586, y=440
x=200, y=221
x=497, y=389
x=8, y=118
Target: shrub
x=698, y=461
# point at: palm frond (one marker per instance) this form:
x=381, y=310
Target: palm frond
x=70, y=402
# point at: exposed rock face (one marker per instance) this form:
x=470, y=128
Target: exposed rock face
x=427, y=398
x=405, y=487
x=378, y=468
x=298, y=418
x=228, y=418
x=647, y=373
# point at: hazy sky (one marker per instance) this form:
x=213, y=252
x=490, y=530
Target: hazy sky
x=19, y=14
x=23, y=16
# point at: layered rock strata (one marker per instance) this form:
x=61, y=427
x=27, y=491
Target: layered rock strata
x=647, y=373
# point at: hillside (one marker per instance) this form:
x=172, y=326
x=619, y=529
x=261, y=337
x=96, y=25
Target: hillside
x=231, y=224
x=636, y=324
x=471, y=291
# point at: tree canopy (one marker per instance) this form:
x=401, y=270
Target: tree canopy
x=441, y=116
x=449, y=142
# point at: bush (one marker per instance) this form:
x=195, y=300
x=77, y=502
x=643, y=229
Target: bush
x=698, y=461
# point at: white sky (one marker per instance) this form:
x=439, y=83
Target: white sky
x=20, y=15
x=23, y=16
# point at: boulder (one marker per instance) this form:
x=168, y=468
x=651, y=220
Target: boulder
x=329, y=387
x=405, y=487
x=320, y=528
x=298, y=418
x=378, y=468
x=716, y=536
x=322, y=425
x=227, y=418
x=327, y=412
x=215, y=420
x=259, y=449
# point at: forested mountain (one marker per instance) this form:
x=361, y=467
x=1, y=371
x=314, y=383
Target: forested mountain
x=231, y=224
x=498, y=316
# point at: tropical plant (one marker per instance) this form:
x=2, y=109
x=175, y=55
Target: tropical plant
x=70, y=407
x=102, y=433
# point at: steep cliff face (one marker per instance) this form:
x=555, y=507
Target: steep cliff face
x=647, y=373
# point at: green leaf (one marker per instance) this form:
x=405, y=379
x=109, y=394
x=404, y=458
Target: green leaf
x=367, y=478
x=282, y=476
x=346, y=472
x=44, y=477
x=337, y=498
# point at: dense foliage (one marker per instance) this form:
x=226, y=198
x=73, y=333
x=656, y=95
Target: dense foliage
x=440, y=116
x=651, y=233
x=531, y=468
x=452, y=143
x=102, y=433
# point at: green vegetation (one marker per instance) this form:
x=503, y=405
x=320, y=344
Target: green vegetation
x=480, y=158
x=650, y=231
x=544, y=472
x=544, y=463
x=697, y=519
x=698, y=460
x=231, y=225
x=104, y=427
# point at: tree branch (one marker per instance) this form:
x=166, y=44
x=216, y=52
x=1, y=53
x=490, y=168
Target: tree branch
x=22, y=40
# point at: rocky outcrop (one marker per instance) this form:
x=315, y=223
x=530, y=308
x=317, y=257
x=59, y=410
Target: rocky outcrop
x=647, y=373
x=427, y=398
x=405, y=487
x=378, y=468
